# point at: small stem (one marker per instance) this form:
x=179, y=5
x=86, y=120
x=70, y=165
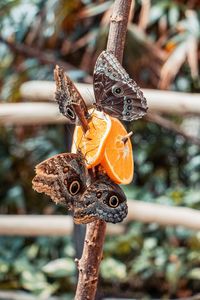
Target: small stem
x=126, y=137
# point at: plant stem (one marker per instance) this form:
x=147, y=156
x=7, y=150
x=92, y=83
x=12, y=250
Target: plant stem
x=118, y=28
x=89, y=263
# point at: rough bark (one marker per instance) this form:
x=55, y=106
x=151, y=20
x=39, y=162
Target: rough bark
x=89, y=264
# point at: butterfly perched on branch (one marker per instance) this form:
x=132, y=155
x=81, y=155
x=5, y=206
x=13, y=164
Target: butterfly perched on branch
x=115, y=92
x=64, y=178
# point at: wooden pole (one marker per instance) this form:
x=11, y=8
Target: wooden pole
x=160, y=101
x=163, y=215
x=89, y=263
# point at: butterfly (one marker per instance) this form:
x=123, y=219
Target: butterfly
x=115, y=92
x=67, y=95
x=103, y=199
x=63, y=177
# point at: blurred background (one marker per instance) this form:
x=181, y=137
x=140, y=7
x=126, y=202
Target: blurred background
x=147, y=261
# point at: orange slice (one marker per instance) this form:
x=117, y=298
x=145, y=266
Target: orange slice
x=118, y=156
x=92, y=143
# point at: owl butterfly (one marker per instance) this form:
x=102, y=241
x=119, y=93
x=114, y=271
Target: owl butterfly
x=63, y=178
x=115, y=92
x=67, y=95
x=103, y=199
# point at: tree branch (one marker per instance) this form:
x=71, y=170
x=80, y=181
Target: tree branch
x=118, y=27
x=28, y=51
x=155, y=118
x=93, y=246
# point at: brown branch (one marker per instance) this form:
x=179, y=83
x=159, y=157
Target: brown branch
x=118, y=27
x=171, y=126
x=28, y=51
x=89, y=263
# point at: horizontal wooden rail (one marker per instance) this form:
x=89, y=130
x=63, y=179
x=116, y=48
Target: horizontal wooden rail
x=158, y=100
x=30, y=113
x=163, y=214
x=38, y=112
x=41, y=225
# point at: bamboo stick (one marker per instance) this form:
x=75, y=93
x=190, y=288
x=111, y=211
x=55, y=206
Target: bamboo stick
x=158, y=100
x=36, y=225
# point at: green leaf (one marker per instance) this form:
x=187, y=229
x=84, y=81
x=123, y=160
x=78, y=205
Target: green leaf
x=173, y=15
x=113, y=269
x=194, y=274
x=61, y=267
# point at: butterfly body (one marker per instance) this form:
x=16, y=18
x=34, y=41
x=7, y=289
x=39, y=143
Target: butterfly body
x=115, y=92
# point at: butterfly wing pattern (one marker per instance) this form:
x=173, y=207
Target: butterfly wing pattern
x=67, y=95
x=115, y=92
x=62, y=177
x=103, y=199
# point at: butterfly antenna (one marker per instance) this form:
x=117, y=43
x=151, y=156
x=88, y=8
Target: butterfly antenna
x=69, y=131
x=78, y=148
x=91, y=97
x=89, y=152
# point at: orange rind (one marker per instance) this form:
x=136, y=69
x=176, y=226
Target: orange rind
x=118, y=155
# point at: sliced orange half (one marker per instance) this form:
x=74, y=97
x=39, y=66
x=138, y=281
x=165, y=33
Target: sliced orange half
x=118, y=155
x=92, y=143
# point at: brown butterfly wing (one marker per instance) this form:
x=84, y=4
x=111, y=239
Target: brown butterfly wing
x=67, y=95
x=115, y=92
x=103, y=199
x=62, y=177
x=49, y=186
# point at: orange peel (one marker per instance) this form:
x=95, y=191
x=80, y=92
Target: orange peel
x=118, y=155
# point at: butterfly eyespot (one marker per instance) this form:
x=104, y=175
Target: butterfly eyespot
x=128, y=113
x=109, y=70
x=74, y=187
x=129, y=107
x=70, y=113
x=99, y=194
x=65, y=170
x=113, y=201
x=117, y=91
x=128, y=100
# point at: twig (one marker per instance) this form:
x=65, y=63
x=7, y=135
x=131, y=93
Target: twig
x=171, y=126
x=126, y=137
x=44, y=58
x=89, y=263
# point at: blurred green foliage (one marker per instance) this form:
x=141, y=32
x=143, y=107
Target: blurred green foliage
x=148, y=261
